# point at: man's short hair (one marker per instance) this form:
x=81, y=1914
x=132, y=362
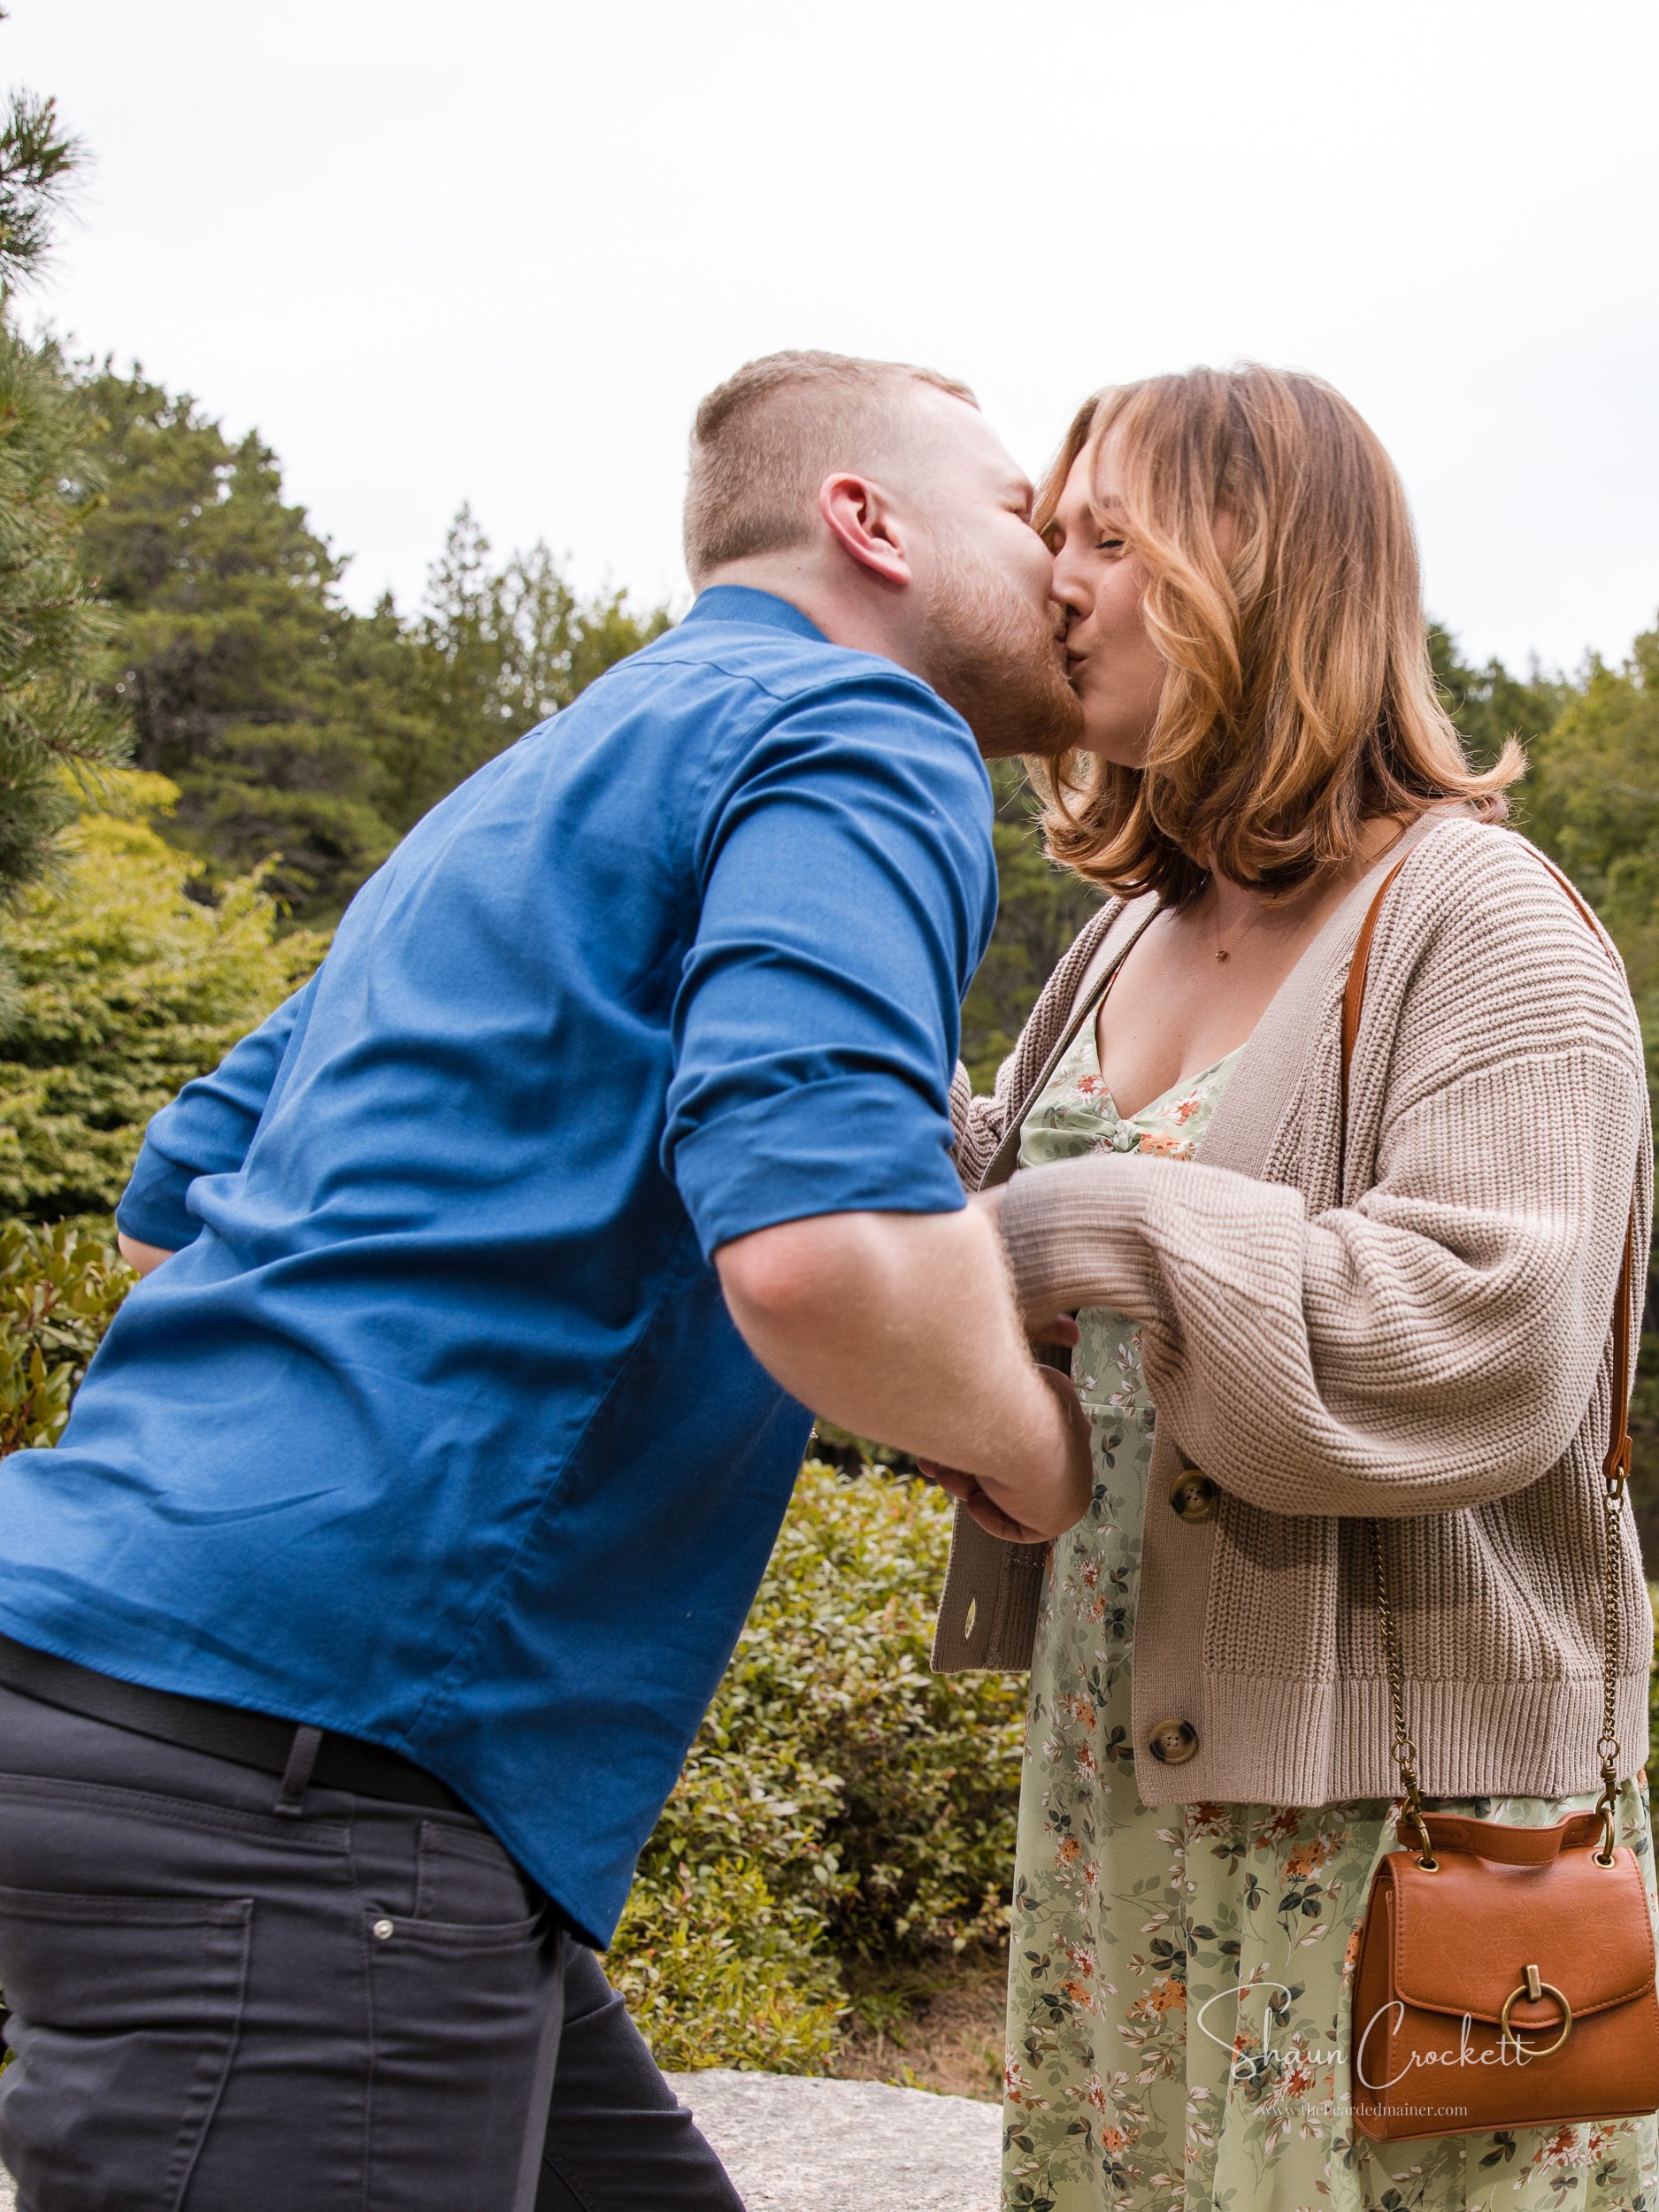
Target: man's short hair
x=764, y=440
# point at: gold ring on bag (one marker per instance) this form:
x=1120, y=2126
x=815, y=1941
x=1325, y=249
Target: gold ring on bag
x=1532, y=1989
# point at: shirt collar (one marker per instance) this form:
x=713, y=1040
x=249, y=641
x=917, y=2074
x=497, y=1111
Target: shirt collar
x=739, y=602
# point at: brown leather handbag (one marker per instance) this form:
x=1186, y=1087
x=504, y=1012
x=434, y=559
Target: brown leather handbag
x=1505, y=1976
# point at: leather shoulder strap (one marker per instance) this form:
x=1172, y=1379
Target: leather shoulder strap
x=1617, y=1464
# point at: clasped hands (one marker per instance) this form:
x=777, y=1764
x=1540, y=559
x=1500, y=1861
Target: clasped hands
x=1058, y=1330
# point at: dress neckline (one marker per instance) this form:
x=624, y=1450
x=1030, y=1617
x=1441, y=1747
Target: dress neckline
x=1183, y=1087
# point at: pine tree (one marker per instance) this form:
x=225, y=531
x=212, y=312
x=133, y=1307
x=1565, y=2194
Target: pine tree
x=237, y=656
x=293, y=728
x=499, y=649
x=1488, y=704
x=53, y=635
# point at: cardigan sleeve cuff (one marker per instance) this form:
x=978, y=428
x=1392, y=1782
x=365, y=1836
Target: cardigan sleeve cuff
x=1075, y=1236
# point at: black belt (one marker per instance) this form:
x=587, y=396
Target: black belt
x=225, y=1732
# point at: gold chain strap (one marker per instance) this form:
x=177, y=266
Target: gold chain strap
x=1403, y=1749
x=1612, y=1517
x=1615, y=1472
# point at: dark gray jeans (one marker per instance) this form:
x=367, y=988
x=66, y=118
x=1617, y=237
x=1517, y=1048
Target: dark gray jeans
x=218, y=2008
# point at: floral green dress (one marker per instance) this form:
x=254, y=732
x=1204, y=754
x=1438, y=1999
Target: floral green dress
x=1180, y=1974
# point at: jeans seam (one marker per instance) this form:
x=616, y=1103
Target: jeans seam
x=580, y=2194
x=176, y=2202
x=371, y=2053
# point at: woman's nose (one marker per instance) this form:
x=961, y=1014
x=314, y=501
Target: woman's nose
x=1070, y=586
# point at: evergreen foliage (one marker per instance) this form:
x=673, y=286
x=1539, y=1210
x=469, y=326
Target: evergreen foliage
x=127, y=987
x=236, y=659
x=52, y=632
x=37, y=159
x=1489, y=705
x=1039, y=910
x=497, y=650
x=1593, y=805
x=296, y=731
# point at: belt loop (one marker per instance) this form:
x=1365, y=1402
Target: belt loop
x=297, y=1773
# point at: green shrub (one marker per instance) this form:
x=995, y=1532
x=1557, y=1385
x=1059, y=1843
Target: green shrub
x=838, y=1800
x=128, y=986
x=59, y=1289
x=717, y=1972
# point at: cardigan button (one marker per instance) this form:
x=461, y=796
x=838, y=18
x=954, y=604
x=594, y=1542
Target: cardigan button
x=1174, y=1741
x=1193, y=1495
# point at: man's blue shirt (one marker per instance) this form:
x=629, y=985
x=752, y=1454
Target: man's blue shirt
x=438, y=1433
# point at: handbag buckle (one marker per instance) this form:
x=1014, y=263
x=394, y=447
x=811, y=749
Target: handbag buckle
x=1532, y=1988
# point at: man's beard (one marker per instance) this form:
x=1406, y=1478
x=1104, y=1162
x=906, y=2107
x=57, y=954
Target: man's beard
x=994, y=657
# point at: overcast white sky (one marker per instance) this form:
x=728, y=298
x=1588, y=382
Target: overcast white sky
x=496, y=251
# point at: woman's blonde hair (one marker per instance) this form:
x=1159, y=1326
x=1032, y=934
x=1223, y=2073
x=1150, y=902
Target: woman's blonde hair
x=1298, y=699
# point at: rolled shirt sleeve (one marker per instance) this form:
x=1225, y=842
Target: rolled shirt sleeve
x=847, y=891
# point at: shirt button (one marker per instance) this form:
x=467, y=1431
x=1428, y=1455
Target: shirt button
x=384, y=1929
x=1174, y=1741
x=1193, y=1495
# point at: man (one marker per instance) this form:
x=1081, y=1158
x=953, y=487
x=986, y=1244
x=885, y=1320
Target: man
x=357, y=1629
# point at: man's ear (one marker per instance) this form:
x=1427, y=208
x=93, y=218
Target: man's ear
x=858, y=516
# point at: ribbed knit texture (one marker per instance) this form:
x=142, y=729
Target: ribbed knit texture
x=1431, y=1344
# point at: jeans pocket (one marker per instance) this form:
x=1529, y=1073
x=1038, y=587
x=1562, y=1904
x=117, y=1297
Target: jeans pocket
x=463, y=1876
x=123, y=2014
x=465, y=2021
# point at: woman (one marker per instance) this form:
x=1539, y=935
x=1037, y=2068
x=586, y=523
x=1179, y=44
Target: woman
x=1414, y=1326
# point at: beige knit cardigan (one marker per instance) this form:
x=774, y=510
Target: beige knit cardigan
x=1431, y=1344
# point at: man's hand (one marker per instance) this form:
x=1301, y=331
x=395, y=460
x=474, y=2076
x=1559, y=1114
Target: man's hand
x=984, y=1509
x=142, y=1258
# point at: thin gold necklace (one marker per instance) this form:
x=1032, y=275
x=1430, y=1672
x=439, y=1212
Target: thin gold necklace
x=1221, y=951
x=1365, y=862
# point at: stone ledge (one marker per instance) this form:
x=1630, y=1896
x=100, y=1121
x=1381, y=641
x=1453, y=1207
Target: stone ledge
x=794, y=2144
